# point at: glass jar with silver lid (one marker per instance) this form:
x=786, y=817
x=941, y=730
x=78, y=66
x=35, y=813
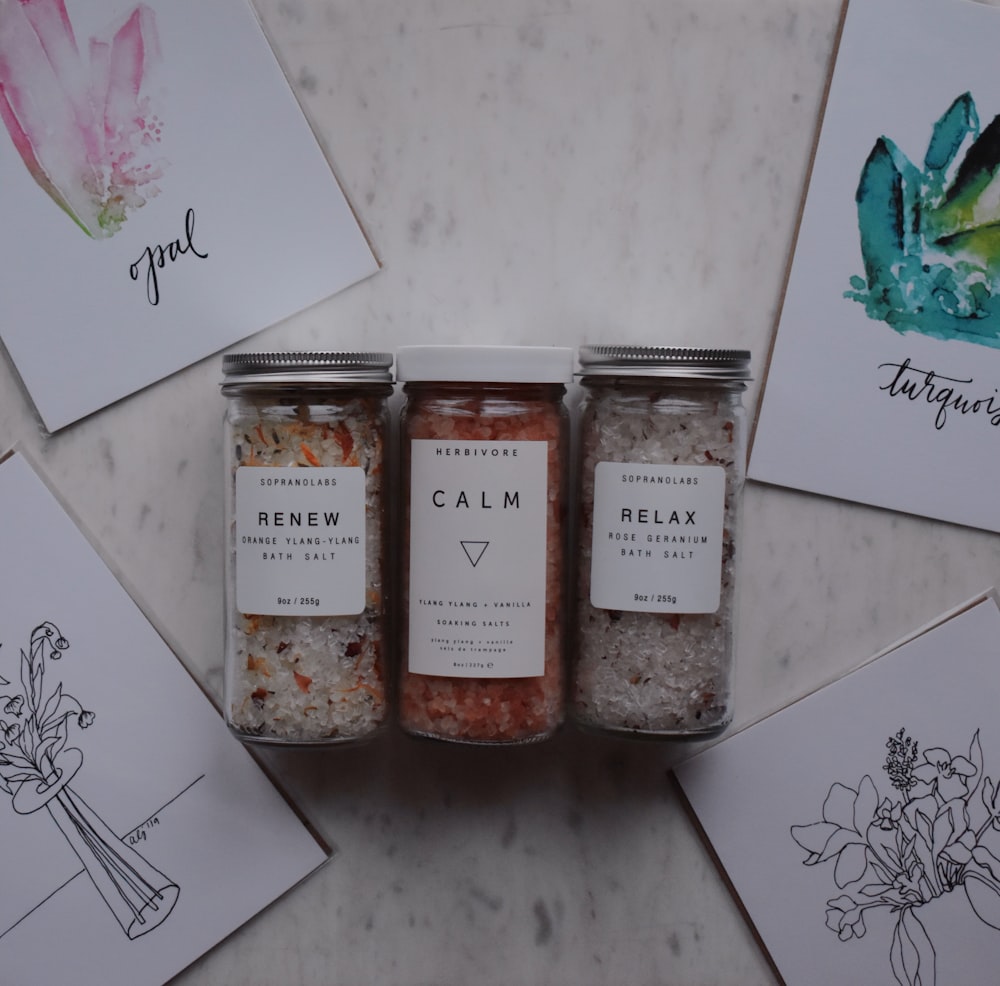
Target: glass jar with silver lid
x=306, y=574
x=661, y=469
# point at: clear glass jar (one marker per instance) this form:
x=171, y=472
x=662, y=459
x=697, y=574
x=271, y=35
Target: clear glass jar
x=484, y=461
x=661, y=470
x=306, y=574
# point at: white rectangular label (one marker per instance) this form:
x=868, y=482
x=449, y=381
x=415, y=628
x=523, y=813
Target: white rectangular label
x=657, y=541
x=300, y=540
x=478, y=549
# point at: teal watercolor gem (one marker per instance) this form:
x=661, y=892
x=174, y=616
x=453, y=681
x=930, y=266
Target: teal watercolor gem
x=930, y=236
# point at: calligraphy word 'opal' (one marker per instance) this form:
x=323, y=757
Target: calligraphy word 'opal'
x=155, y=258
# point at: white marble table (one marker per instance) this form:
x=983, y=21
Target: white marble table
x=528, y=171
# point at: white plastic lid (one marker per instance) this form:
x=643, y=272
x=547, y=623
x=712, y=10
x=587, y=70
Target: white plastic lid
x=485, y=364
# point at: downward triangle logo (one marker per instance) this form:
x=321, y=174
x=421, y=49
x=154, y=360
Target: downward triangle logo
x=474, y=550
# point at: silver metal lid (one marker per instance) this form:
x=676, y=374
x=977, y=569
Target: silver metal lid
x=729, y=365
x=244, y=369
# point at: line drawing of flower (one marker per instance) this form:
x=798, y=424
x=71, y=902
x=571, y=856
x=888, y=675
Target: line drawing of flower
x=86, y=128
x=36, y=767
x=930, y=233
x=900, y=853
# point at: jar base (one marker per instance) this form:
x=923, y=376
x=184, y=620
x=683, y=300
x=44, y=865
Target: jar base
x=467, y=741
x=325, y=742
x=654, y=735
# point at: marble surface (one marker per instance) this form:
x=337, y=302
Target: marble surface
x=558, y=171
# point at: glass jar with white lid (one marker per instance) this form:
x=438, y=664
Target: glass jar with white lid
x=484, y=451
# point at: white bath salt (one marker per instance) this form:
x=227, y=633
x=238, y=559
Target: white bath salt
x=308, y=679
x=661, y=474
x=307, y=643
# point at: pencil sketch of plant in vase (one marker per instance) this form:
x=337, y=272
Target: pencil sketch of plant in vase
x=85, y=128
x=903, y=852
x=36, y=767
x=930, y=234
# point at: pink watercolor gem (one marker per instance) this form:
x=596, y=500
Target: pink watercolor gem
x=85, y=129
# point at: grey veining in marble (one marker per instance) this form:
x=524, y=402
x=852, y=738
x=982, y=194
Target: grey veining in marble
x=558, y=171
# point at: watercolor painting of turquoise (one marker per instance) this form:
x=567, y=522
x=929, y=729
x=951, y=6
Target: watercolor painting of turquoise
x=890, y=322
x=930, y=235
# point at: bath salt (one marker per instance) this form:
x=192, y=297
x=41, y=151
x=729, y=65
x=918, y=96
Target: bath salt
x=482, y=629
x=307, y=629
x=661, y=469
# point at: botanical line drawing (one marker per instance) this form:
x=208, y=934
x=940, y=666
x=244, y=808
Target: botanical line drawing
x=36, y=767
x=86, y=128
x=904, y=851
x=930, y=236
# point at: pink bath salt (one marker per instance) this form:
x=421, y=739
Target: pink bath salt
x=481, y=464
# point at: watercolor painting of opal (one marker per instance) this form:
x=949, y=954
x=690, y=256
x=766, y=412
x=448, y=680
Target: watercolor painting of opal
x=84, y=123
x=930, y=236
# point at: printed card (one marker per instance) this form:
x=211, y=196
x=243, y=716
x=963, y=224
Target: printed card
x=163, y=195
x=860, y=827
x=884, y=381
x=137, y=831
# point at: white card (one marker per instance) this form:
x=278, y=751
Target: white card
x=860, y=827
x=137, y=831
x=884, y=382
x=163, y=195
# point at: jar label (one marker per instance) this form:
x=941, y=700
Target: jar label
x=478, y=551
x=300, y=540
x=657, y=544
